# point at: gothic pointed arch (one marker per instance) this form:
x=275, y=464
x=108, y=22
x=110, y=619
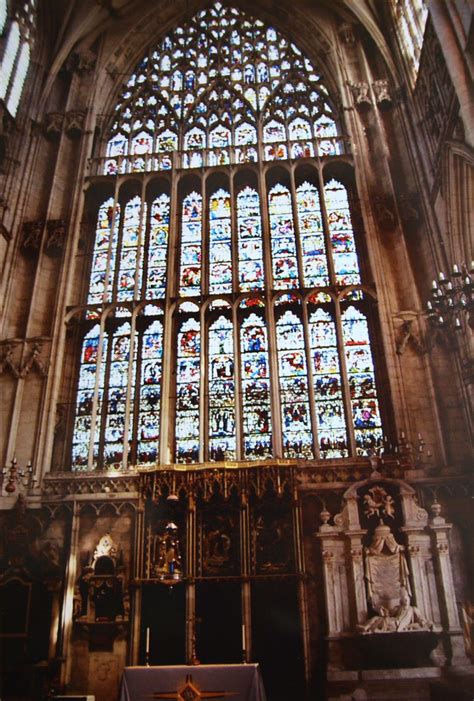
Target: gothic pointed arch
x=195, y=222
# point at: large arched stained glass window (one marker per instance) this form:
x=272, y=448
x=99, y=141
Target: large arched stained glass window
x=234, y=294
x=202, y=87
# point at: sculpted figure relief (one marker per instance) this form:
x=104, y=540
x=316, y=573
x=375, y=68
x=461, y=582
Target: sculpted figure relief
x=403, y=617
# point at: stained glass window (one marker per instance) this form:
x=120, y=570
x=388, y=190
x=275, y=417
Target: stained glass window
x=267, y=352
x=175, y=95
x=103, y=261
x=360, y=368
x=90, y=383
x=188, y=375
x=410, y=20
x=148, y=433
x=117, y=390
x=332, y=434
x=285, y=265
x=295, y=412
x=16, y=57
x=256, y=402
x=158, y=247
x=191, y=242
x=222, y=430
x=250, y=240
x=220, y=243
x=313, y=246
x=346, y=265
x=3, y=14
x=131, y=265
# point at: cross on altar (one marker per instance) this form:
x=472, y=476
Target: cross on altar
x=190, y=692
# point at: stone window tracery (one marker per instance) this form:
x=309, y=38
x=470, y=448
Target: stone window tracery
x=226, y=314
x=16, y=57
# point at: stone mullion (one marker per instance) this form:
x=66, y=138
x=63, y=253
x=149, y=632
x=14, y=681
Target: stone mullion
x=269, y=319
x=235, y=325
x=325, y=222
x=105, y=399
x=203, y=387
x=169, y=328
x=239, y=428
x=141, y=248
x=358, y=609
x=296, y=228
x=346, y=395
x=310, y=377
x=132, y=365
x=95, y=397
x=132, y=368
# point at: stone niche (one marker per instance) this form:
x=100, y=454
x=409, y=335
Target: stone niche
x=389, y=595
x=101, y=618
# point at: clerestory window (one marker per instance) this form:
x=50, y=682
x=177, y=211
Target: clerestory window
x=227, y=316
x=16, y=52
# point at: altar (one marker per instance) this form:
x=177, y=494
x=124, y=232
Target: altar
x=241, y=682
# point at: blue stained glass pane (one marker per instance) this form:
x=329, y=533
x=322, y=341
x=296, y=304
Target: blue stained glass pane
x=220, y=243
x=284, y=261
x=150, y=394
x=222, y=441
x=344, y=253
x=256, y=403
x=332, y=433
x=158, y=247
x=191, y=242
x=295, y=412
x=360, y=369
x=187, y=392
x=130, y=269
x=118, y=386
x=105, y=250
x=250, y=240
x=88, y=379
x=313, y=246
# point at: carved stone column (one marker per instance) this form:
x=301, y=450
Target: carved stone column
x=444, y=579
x=358, y=608
x=335, y=577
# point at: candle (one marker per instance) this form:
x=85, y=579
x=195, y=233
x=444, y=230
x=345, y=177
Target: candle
x=243, y=637
x=147, y=644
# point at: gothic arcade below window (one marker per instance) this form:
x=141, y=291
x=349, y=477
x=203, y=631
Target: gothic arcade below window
x=236, y=328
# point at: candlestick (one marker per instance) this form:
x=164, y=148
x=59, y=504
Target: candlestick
x=147, y=647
